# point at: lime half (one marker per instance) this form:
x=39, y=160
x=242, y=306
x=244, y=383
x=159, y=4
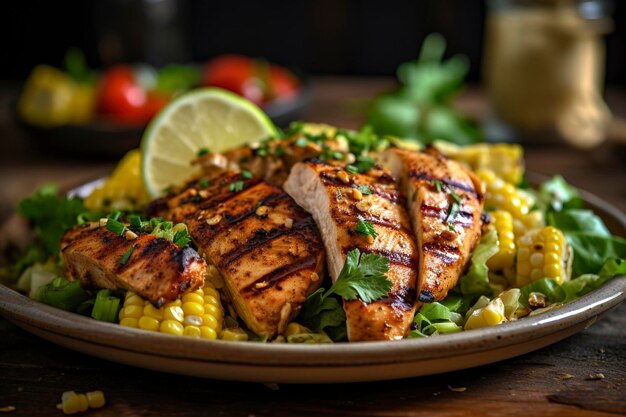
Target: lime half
x=208, y=118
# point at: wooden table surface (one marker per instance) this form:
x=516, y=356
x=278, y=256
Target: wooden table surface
x=554, y=381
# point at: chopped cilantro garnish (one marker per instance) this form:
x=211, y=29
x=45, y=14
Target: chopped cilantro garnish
x=455, y=197
x=365, y=189
x=279, y=151
x=116, y=226
x=246, y=174
x=365, y=227
x=181, y=238
x=362, y=276
x=454, y=210
x=126, y=256
x=202, y=152
x=438, y=185
x=352, y=169
x=236, y=186
x=203, y=183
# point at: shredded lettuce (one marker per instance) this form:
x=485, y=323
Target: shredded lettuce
x=476, y=281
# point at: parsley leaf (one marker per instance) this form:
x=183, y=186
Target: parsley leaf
x=51, y=215
x=236, y=186
x=365, y=189
x=246, y=174
x=362, y=277
x=365, y=227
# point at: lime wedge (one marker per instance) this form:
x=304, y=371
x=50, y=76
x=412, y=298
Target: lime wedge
x=208, y=118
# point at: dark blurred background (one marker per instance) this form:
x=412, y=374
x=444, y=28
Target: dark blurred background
x=320, y=37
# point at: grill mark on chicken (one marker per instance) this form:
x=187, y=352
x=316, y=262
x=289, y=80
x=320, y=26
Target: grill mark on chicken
x=462, y=218
x=401, y=299
x=343, y=216
x=447, y=253
x=269, y=201
x=273, y=278
x=448, y=182
x=263, y=237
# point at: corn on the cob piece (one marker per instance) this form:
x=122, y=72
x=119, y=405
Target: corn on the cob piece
x=505, y=160
x=503, y=222
x=124, y=189
x=197, y=314
x=503, y=195
x=542, y=253
x=490, y=315
x=533, y=220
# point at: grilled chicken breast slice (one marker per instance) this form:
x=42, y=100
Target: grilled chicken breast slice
x=446, y=230
x=327, y=192
x=157, y=269
x=266, y=248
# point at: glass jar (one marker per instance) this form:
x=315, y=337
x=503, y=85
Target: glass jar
x=544, y=69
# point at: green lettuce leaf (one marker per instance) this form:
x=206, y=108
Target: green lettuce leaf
x=476, y=281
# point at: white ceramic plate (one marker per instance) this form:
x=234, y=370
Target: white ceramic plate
x=341, y=362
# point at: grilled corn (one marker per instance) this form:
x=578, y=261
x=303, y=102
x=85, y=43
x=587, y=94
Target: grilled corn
x=542, y=253
x=198, y=314
x=503, y=222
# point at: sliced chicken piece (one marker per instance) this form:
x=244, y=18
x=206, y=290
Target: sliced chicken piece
x=267, y=249
x=333, y=197
x=447, y=230
x=157, y=269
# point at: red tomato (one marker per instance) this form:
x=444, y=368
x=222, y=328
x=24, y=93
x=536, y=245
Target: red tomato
x=249, y=78
x=124, y=100
x=283, y=83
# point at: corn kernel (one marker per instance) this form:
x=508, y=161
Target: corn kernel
x=129, y=322
x=209, y=299
x=210, y=321
x=193, y=309
x=192, y=321
x=171, y=327
x=70, y=402
x=192, y=298
x=199, y=291
x=295, y=328
x=151, y=311
x=148, y=323
x=212, y=292
x=134, y=300
x=174, y=313
x=83, y=404
x=192, y=331
x=213, y=310
x=234, y=334
x=207, y=333
x=96, y=399
x=176, y=303
x=133, y=311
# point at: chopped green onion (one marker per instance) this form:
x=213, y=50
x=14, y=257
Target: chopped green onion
x=63, y=294
x=236, y=186
x=246, y=174
x=203, y=183
x=301, y=142
x=203, y=151
x=126, y=256
x=116, y=227
x=105, y=307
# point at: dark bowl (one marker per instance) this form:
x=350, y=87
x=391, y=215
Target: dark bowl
x=105, y=139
